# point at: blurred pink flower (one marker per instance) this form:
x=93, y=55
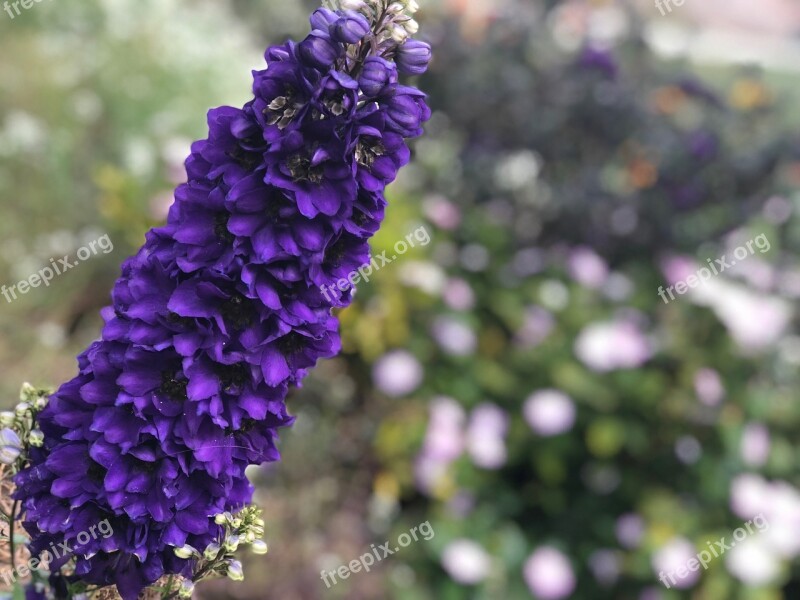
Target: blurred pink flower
x=397, y=373
x=442, y=213
x=708, y=387
x=549, y=574
x=629, y=530
x=488, y=425
x=466, y=561
x=444, y=439
x=748, y=496
x=444, y=443
x=675, y=555
x=454, y=336
x=587, y=267
x=755, y=444
x=537, y=325
x=458, y=294
x=611, y=345
x=549, y=412
x=753, y=562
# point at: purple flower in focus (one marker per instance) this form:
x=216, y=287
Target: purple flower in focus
x=220, y=313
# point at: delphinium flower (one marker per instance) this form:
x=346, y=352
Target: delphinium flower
x=221, y=312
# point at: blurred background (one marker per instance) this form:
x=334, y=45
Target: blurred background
x=518, y=383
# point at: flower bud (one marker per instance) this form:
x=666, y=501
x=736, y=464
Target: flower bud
x=186, y=590
x=412, y=27
x=27, y=392
x=10, y=446
x=395, y=8
x=413, y=57
x=376, y=75
x=22, y=409
x=40, y=402
x=398, y=33
x=353, y=4
x=212, y=551
x=412, y=6
x=36, y=438
x=221, y=518
x=7, y=418
x=249, y=537
x=232, y=543
x=259, y=547
x=350, y=28
x=235, y=571
x=185, y=551
x=319, y=51
x=322, y=19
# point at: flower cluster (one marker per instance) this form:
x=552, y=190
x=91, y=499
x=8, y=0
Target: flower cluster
x=220, y=312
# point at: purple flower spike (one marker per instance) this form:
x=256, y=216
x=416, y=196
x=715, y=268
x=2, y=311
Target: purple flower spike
x=223, y=310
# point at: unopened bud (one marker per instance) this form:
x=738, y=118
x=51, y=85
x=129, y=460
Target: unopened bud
x=398, y=33
x=27, y=392
x=36, y=438
x=232, y=543
x=353, y=4
x=259, y=547
x=185, y=551
x=22, y=409
x=235, y=570
x=7, y=418
x=186, y=590
x=412, y=27
x=212, y=551
x=221, y=519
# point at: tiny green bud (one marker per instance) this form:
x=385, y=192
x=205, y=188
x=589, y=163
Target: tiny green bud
x=7, y=418
x=40, y=402
x=27, y=392
x=185, y=551
x=220, y=519
x=259, y=547
x=249, y=537
x=237, y=523
x=186, y=590
x=235, y=571
x=259, y=522
x=212, y=551
x=232, y=543
x=22, y=409
x=36, y=438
